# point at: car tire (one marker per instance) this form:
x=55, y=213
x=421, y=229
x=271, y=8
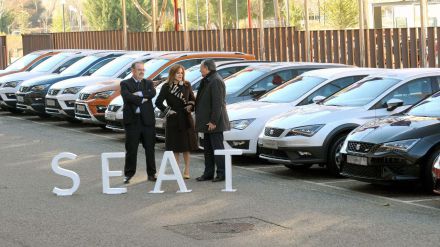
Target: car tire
x=334, y=159
x=103, y=126
x=427, y=176
x=298, y=167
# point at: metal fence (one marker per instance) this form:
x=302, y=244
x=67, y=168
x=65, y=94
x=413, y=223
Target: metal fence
x=384, y=48
x=3, y=53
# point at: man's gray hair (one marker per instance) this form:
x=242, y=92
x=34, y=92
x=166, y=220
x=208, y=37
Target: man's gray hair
x=209, y=64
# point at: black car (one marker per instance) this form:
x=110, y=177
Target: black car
x=32, y=93
x=400, y=148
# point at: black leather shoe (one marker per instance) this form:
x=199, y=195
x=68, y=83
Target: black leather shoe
x=127, y=180
x=218, y=179
x=203, y=178
x=152, y=178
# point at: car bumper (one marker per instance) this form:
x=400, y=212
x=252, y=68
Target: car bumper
x=62, y=105
x=30, y=102
x=7, y=97
x=160, y=128
x=245, y=140
x=386, y=168
x=114, y=120
x=83, y=113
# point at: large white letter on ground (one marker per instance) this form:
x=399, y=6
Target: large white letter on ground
x=64, y=172
x=169, y=156
x=106, y=173
x=228, y=166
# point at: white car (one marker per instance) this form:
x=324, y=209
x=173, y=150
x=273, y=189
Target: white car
x=248, y=118
x=314, y=134
x=10, y=84
x=118, y=68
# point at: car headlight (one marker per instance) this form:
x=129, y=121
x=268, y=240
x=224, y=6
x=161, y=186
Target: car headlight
x=12, y=83
x=72, y=90
x=241, y=124
x=40, y=87
x=308, y=130
x=402, y=146
x=104, y=95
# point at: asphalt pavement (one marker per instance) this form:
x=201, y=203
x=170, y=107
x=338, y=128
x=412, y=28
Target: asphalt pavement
x=273, y=206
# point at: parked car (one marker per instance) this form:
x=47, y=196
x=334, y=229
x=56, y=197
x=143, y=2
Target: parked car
x=436, y=173
x=117, y=68
x=10, y=84
x=113, y=114
x=314, y=134
x=28, y=62
x=248, y=118
x=31, y=95
x=93, y=109
x=256, y=80
x=400, y=148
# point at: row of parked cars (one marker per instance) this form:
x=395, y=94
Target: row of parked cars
x=373, y=125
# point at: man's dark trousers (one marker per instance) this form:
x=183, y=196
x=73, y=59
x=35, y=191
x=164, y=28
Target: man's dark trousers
x=213, y=141
x=136, y=132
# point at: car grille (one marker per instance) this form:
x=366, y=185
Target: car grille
x=360, y=147
x=24, y=89
x=114, y=108
x=273, y=132
x=53, y=91
x=362, y=171
x=274, y=153
x=83, y=96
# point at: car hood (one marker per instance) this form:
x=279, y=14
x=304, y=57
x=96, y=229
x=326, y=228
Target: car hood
x=79, y=82
x=102, y=86
x=21, y=76
x=44, y=79
x=311, y=115
x=117, y=101
x=396, y=128
x=256, y=109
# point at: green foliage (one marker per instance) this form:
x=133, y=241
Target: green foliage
x=341, y=14
x=6, y=19
x=57, y=21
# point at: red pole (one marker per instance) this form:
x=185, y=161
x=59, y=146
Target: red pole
x=249, y=13
x=176, y=16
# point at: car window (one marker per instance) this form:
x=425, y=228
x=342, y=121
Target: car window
x=125, y=74
x=271, y=81
x=427, y=108
x=185, y=63
x=226, y=72
x=110, y=69
x=22, y=62
x=436, y=84
x=79, y=66
x=410, y=93
x=37, y=63
x=51, y=63
x=331, y=88
x=98, y=65
x=67, y=64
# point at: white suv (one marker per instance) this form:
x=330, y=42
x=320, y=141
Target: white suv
x=314, y=134
x=248, y=118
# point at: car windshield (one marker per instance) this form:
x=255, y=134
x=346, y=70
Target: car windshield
x=239, y=80
x=193, y=73
x=153, y=65
x=292, y=90
x=361, y=93
x=50, y=63
x=22, y=62
x=113, y=67
x=79, y=66
x=428, y=108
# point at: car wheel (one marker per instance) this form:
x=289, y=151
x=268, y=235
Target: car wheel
x=103, y=126
x=299, y=167
x=334, y=160
x=427, y=176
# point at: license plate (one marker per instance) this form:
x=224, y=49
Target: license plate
x=111, y=116
x=50, y=102
x=362, y=161
x=20, y=99
x=80, y=108
x=270, y=144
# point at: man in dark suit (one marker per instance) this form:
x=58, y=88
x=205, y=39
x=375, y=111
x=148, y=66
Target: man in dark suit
x=212, y=119
x=139, y=121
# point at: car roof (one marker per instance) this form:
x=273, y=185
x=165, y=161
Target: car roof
x=138, y=54
x=199, y=54
x=270, y=66
x=337, y=72
x=403, y=74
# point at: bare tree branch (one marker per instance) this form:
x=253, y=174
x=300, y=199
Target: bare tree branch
x=162, y=13
x=143, y=11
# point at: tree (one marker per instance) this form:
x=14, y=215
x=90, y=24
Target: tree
x=107, y=15
x=27, y=13
x=296, y=14
x=6, y=18
x=341, y=13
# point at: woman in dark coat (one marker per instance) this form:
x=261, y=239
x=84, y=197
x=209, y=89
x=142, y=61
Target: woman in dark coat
x=180, y=136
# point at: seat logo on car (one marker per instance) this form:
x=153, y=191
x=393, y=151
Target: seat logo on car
x=358, y=147
x=271, y=132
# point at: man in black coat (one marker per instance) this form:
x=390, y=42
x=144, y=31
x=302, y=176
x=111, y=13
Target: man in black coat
x=139, y=121
x=212, y=119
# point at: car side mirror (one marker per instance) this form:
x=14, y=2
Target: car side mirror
x=256, y=92
x=392, y=104
x=318, y=99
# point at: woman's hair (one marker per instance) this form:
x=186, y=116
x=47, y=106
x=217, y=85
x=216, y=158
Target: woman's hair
x=173, y=72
